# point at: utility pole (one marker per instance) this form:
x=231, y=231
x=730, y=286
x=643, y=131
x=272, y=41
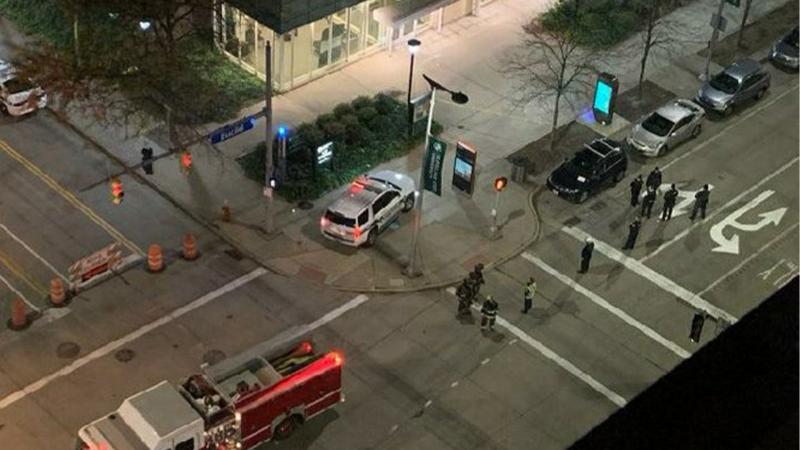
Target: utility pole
x=744, y=23
x=268, y=166
x=714, y=36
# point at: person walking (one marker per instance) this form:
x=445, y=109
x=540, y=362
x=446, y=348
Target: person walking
x=477, y=278
x=670, y=197
x=633, y=233
x=586, y=255
x=530, y=291
x=636, y=189
x=648, y=201
x=700, y=203
x=489, y=313
x=654, y=179
x=464, y=294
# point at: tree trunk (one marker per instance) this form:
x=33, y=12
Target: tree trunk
x=643, y=65
x=744, y=22
x=554, y=128
x=648, y=43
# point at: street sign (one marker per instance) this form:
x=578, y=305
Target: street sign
x=464, y=168
x=719, y=22
x=232, y=129
x=98, y=262
x=325, y=154
x=735, y=3
x=434, y=159
x=420, y=105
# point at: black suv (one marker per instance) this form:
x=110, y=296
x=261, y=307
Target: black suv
x=590, y=169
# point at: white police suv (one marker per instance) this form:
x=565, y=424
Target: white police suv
x=367, y=207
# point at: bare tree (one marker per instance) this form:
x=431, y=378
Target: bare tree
x=549, y=63
x=745, y=14
x=658, y=31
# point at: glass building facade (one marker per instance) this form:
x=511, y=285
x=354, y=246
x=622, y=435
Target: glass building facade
x=310, y=50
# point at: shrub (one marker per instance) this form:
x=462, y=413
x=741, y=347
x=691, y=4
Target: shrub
x=343, y=109
x=366, y=114
x=361, y=102
x=600, y=23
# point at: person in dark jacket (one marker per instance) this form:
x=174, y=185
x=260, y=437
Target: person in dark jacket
x=670, y=197
x=586, y=255
x=654, y=179
x=648, y=201
x=633, y=233
x=636, y=189
x=489, y=313
x=700, y=203
x=464, y=294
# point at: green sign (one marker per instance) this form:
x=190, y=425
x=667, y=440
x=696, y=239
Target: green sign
x=733, y=2
x=434, y=158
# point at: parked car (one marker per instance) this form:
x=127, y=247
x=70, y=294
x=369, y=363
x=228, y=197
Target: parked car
x=666, y=127
x=741, y=81
x=370, y=204
x=784, y=52
x=590, y=169
x=18, y=96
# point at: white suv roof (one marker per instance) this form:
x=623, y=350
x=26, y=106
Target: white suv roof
x=363, y=191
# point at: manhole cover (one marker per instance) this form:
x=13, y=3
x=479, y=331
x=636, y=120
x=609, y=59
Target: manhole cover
x=572, y=221
x=124, y=355
x=229, y=316
x=213, y=356
x=305, y=205
x=235, y=254
x=598, y=206
x=68, y=350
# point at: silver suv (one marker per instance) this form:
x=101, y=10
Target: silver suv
x=741, y=81
x=369, y=205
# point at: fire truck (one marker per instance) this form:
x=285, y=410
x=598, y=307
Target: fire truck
x=238, y=403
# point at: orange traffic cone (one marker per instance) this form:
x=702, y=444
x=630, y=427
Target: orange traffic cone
x=226, y=212
x=58, y=296
x=155, y=261
x=19, y=315
x=189, y=247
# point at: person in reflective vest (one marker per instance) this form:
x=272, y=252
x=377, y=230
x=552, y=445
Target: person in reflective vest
x=530, y=291
x=489, y=313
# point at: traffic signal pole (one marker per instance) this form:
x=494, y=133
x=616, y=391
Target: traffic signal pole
x=268, y=166
x=714, y=36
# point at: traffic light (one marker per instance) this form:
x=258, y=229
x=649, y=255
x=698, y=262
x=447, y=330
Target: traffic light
x=697, y=327
x=186, y=162
x=500, y=183
x=116, y=191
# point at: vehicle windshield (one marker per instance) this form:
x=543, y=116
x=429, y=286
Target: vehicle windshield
x=16, y=85
x=339, y=219
x=382, y=181
x=791, y=38
x=725, y=83
x=658, y=124
x=583, y=163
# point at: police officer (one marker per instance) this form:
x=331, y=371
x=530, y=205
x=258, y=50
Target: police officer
x=489, y=313
x=147, y=160
x=636, y=189
x=654, y=179
x=670, y=197
x=464, y=294
x=700, y=202
x=633, y=233
x=586, y=255
x=648, y=201
x=530, y=291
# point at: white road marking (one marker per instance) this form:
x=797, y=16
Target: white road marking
x=393, y=429
x=454, y=384
x=485, y=361
x=36, y=255
x=19, y=294
x=428, y=403
x=749, y=258
x=655, y=277
x=733, y=201
x=725, y=245
x=729, y=127
x=295, y=332
x=512, y=342
x=114, y=345
x=596, y=299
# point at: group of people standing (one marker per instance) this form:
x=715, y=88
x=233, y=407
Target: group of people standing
x=467, y=293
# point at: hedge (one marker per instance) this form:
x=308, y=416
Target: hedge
x=600, y=23
x=365, y=132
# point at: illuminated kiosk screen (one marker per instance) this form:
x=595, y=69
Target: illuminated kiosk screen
x=463, y=168
x=602, y=97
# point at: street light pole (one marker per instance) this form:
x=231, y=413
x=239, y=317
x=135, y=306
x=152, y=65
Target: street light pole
x=413, y=46
x=268, y=165
x=714, y=36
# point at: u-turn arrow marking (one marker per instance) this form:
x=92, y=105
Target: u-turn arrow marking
x=726, y=245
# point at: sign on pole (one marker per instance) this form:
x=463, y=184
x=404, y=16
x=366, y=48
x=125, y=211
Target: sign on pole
x=232, y=129
x=324, y=154
x=719, y=22
x=464, y=168
x=735, y=3
x=433, y=165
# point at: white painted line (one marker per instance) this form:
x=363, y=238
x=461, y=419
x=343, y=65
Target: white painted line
x=113, y=345
x=485, y=361
x=19, y=294
x=296, y=332
x=596, y=299
x=563, y=363
x=428, y=403
x=454, y=384
x=36, y=255
x=512, y=342
x=729, y=127
x=393, y=429
x=748, y=259
x=727, y=205
x=655, y=277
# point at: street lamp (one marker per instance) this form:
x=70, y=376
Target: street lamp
x=413, y=47
x=458, y=98
x=144, y=25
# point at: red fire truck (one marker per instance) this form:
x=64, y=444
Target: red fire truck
x=239, y=403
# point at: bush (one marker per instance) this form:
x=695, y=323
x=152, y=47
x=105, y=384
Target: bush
x=600, y=23
x=45, y=19
x=365, y=133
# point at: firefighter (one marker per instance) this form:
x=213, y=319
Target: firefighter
x=670, y=197
x=477, y=279
x=489, y=313
x=700, y=203
x=464, y=294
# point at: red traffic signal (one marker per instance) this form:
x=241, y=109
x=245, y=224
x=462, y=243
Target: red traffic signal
x=500, y=183
x=116, y=191
x=186, y=161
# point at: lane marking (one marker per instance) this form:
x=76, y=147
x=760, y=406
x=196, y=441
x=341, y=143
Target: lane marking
x=655, y=277
x=70, y=197
x=454, y=384
x=114, y=345
x=485, y=361
x=36, y=255
x=19, y=271
x=713, y=214
x=596, y=299
x=732, y=125
x=748, y=259
x=19, y=294
x=553, y=356
x=428, y=403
